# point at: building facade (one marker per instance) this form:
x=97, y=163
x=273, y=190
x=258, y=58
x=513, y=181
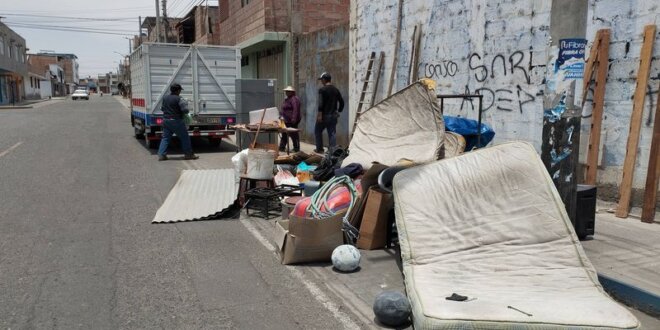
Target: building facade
x=13, y=66
x=68, y=63
x=269, y=34
x=199, y=26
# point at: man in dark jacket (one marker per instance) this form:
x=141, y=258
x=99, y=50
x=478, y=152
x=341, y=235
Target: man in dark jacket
x=330, y=105
x=174, y=108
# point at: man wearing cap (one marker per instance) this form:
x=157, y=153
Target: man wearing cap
x=291, y=115
x=174, y=108
x=330, y=105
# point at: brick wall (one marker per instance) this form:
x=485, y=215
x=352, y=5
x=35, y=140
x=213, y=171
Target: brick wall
x=242, y=23
x=319, y=14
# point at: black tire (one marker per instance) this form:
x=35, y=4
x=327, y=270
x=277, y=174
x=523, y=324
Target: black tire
x=152, y=144
x=139, y=134
x=215, y=143
x=73, y=98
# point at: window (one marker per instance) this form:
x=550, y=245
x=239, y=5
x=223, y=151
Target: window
x=244, y=3
x=31, y=82
x=2, y=45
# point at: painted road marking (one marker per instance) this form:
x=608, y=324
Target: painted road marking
x=10, y=149
x=316, y=292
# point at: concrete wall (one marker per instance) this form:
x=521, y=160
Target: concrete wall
x=325, y=50
x=13, y=43
x=626, y=19
x=498, y=49
x=501, y=49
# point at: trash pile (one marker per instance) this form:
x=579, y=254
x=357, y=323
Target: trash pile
x=346, y=200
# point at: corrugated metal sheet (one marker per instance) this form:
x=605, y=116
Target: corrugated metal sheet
x=199, y=195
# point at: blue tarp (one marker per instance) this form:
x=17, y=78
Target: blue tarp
x=468, y=129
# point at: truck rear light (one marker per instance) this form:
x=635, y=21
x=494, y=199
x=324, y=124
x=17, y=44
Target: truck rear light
x=230, y=120
x=159, y=121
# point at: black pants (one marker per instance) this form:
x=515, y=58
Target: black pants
x=294, y=136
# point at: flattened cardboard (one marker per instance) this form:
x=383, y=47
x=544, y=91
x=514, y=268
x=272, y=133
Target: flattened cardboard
x=308, y=240
x=373, y=230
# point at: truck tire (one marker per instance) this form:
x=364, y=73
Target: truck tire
x=139, y=134
x=215, y=143
x=152, y=144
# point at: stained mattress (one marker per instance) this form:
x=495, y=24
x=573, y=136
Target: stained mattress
x=490, y=225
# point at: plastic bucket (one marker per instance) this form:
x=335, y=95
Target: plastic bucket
x=260, y=164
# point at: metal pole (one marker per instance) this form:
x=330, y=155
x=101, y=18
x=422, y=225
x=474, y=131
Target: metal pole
x=481, y=97
x=157, y=22
x=139, y=29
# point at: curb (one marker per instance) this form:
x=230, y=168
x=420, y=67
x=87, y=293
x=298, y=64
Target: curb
x=640, y=299
x=16, y=107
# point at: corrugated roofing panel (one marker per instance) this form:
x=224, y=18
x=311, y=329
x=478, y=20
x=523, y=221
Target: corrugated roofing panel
x=199, y=195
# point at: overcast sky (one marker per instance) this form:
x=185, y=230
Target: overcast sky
x=34, y=20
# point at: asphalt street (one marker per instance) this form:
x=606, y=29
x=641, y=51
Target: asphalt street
x=77, y=249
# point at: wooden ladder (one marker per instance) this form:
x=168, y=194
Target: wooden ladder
x=365, y=87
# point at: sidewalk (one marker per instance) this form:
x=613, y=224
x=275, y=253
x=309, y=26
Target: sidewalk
x=29, y=104
x=625, y=251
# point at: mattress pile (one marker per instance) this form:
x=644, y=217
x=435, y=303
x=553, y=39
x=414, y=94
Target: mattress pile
x=490, y=226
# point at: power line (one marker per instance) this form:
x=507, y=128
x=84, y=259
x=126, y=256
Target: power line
x=66, y=30
x=73, y=18
x=66, y=27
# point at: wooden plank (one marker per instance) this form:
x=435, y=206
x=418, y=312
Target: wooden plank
x=653, y=170
x=418, y=50
x=412, y=55
x=381, y=58
x=396, y=48
x=589, y=67
x=625, y=189
x=602, y=60
x=365, y=85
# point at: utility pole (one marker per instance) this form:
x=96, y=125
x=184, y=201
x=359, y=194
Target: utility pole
x=167, y=24
x=157, y=22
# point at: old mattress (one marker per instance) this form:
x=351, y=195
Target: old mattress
x=407, y=125
x=490, y=225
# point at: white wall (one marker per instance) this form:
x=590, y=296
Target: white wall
x=500, y=49
x=496, y=48
x=626, y=19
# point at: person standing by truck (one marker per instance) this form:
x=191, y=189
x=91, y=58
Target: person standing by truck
x=174, y=108
x=291, y=115
x=330, y=105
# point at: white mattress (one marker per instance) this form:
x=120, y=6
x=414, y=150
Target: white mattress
x=407, y=125
x=490, y=225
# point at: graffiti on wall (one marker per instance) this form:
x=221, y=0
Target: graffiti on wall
x=489, y=71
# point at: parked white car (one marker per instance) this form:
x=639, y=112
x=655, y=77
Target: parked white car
x=80, y=94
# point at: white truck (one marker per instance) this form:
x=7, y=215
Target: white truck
x=207, y=74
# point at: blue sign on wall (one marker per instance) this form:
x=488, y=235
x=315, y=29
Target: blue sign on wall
x=571, y=58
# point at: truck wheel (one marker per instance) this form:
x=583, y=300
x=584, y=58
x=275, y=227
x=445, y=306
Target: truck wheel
x=215, y=143
x=152, y=144
x=139, y=134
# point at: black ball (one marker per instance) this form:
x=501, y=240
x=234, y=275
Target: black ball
x=392, y=308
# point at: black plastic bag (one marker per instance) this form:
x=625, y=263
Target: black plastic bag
x=332, y=161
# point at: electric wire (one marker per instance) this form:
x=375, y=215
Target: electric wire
x=319, y=208
x=72, y=18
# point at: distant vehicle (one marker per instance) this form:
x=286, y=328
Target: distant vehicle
x=114, y=91
x=80, y=94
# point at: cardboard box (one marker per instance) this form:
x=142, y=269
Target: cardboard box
x=373, y=229
x=272, y=115
x=308, y=240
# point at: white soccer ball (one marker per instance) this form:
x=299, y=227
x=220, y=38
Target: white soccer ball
x=346, y=258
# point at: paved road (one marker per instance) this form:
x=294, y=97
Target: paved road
x=77, y=250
